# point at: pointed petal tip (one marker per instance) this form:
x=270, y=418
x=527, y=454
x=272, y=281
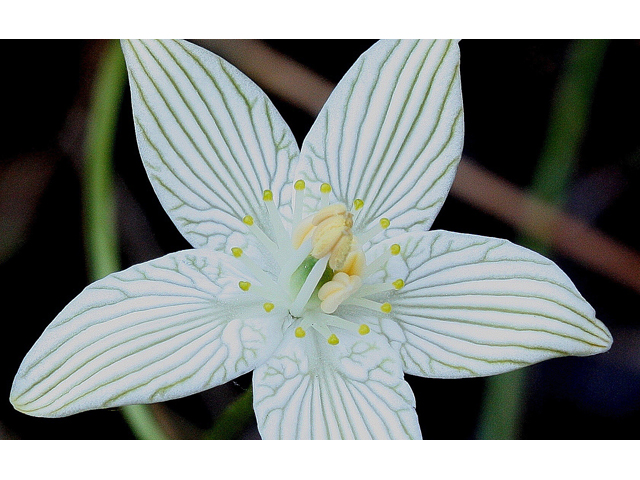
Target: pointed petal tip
x=606, y=337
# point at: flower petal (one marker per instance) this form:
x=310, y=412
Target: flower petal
x=391, y=133
x=210, y=139
x=475, y=305
x=354, y=390
x=163, y=329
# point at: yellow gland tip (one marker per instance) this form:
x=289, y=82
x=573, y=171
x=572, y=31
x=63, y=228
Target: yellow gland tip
x=244, y=286
x=385, y=307
x=268, y=307
x=384, y=223
x=395, y=249
x=358, y=204
x=237, y=252
x=268, y=196
x=325, y=188
x=299, y=185
x=399, y=283
x=299, y=332
x=364, y=329
x=248, y=220
x=332, y=340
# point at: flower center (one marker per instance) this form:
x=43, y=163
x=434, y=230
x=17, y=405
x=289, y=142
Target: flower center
x=322, y=265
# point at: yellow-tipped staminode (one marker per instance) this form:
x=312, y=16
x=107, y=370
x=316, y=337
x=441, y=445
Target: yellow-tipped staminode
x=244, y=286
x=364, y=329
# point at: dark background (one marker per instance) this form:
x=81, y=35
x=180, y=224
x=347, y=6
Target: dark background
x=508, y=87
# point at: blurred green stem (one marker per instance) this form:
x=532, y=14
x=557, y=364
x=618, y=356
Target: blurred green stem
x=101, y=237
x=233, y=419
x=504, y=396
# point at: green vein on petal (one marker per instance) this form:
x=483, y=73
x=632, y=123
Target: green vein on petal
x=399, y=109
x=159, y=330
x=210, y=139
x=474, y=306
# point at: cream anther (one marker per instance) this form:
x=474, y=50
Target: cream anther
x=332, y=234
x=355, y=262
x=302, y=231
x=337, y=290
x=340, y=252
x=328, y=212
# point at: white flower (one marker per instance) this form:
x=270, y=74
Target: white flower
x=314, y=267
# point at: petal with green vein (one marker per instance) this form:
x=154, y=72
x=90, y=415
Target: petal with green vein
x=163, y=329
x=474, y=306
x=391, y=133
x=210, y=139
x=354, y=390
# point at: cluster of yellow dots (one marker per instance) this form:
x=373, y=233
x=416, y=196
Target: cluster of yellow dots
x=358, y=203
x=333, y=338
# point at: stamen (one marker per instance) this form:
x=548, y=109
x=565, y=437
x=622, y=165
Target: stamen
x=301, y=231
x=337, y=290
x=327, y=234
x=325, y=190
x=364, y=329
x=268, y=307
x=355, y=262
x=332, y=234
x=282, y=237
x=382, y=225
x=299, y=187
x=244, y=286
x=382, y=259
x=300, y=332
x=308, y=287
x=333, y=339
x=328, y=212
